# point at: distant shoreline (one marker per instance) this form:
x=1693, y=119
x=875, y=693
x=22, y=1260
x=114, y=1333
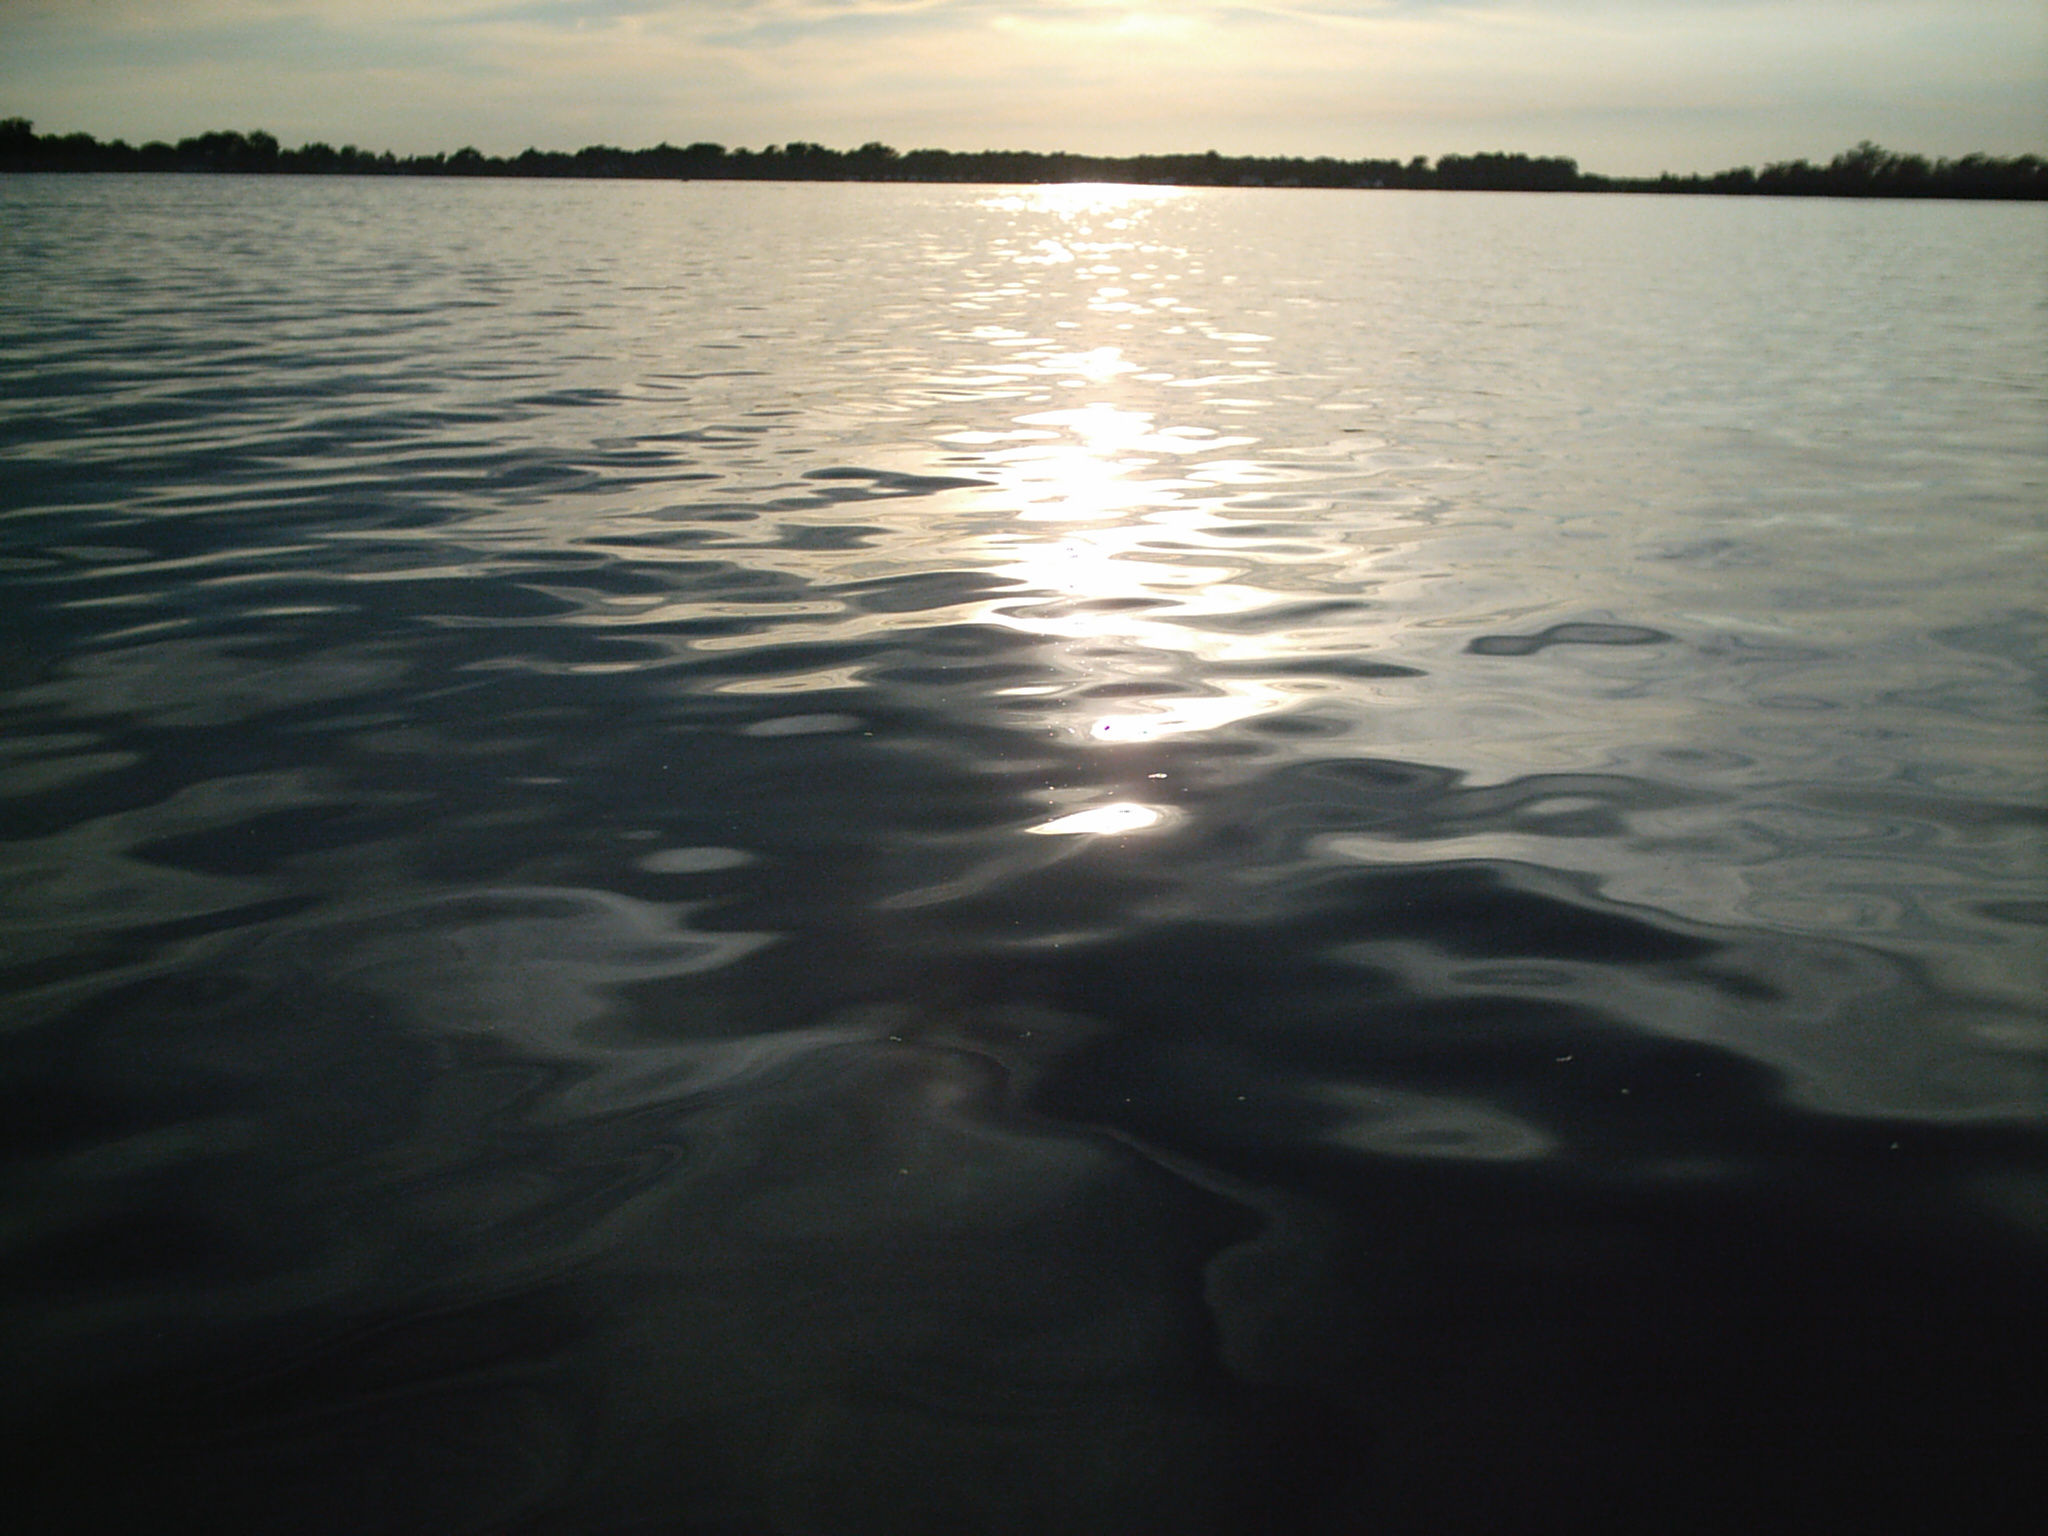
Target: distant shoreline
x=1865, y=171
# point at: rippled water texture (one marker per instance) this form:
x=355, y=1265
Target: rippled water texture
x=876, y=860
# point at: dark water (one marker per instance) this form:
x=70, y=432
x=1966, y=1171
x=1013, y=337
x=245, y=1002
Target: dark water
x=839, y=860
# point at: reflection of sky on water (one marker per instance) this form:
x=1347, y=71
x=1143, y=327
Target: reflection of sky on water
x=1062, y=462
x=890, y=802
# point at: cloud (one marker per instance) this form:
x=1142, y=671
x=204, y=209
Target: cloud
x=1683, y=84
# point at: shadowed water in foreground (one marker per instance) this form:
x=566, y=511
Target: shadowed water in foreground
x=856, y=860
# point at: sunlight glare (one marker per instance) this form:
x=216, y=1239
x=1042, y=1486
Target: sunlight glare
x=1122, y=816
x=1085, y=199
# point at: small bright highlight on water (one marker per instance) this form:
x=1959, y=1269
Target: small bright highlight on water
x=1123, y=816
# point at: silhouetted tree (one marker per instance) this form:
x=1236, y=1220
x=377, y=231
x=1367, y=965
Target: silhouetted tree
x=1867, y=170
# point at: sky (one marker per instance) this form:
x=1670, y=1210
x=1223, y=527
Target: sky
x=1626, y=87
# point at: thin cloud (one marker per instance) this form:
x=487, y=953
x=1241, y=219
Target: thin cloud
x=1626, y=88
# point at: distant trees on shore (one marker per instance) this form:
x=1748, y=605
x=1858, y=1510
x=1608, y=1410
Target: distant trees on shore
x=1865, y=171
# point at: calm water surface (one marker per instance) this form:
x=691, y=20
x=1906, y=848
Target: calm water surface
x=863, y=861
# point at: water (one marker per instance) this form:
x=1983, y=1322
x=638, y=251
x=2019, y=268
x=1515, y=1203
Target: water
x=879, y=859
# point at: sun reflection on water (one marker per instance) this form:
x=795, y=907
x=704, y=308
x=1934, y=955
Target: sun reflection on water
x=1085, y=199
x=1103, y=820
x=1087, y=462
x=1105, y=480
x=1144, y=589
x=1137, y=567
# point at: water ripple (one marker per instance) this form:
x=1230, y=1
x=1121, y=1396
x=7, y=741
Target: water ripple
x=885, y=858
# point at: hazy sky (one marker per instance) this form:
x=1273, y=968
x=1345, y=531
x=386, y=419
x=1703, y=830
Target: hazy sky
x=1625, y=86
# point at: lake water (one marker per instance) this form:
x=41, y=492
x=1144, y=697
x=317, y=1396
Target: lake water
x=876, y=860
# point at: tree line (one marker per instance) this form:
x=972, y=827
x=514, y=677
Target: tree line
x=1865, y=171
